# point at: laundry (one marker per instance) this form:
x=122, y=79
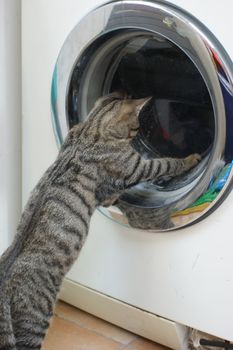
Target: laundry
x=209, y=196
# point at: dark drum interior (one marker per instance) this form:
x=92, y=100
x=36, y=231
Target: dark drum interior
x=179, y=119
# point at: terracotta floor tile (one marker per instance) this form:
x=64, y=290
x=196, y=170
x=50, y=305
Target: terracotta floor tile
x=65, y=335
x=94, y=323
x=143, y=344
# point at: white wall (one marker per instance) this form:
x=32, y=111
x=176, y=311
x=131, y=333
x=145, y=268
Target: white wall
x=10, y=119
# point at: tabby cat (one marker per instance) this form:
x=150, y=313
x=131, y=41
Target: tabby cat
x=94, y=166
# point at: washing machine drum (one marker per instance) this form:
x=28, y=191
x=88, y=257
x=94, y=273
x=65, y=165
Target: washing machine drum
x=155, y=49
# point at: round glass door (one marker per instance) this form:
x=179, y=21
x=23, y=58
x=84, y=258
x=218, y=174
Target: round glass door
x=155, y=49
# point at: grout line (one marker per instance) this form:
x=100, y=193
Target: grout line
x=130, y=343
x=135, y=336
x=124, y=347
x=90, y=329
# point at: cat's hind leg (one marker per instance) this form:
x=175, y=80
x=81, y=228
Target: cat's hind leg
x=29, y=332
x=7, y=338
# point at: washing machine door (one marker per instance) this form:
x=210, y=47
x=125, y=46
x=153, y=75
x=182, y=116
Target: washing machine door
x=153, y=48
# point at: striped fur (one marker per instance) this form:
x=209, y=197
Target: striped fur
x=147, y=219
x=95, y=165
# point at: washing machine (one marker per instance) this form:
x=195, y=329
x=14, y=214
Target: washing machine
x=10, y=120
x=155, y=281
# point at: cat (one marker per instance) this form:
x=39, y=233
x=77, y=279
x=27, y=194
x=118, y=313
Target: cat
x=95, y=164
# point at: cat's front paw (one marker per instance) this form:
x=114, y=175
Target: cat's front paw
x=192, y=160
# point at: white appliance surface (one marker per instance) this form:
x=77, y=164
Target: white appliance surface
x=10, y=120
x=185, y=276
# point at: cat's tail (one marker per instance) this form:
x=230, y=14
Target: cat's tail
x=7, y=339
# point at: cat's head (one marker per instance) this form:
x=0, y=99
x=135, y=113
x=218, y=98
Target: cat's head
x=115, y=117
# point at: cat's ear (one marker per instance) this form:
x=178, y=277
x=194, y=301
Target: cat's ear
x=140, y=103
x=119, y=94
